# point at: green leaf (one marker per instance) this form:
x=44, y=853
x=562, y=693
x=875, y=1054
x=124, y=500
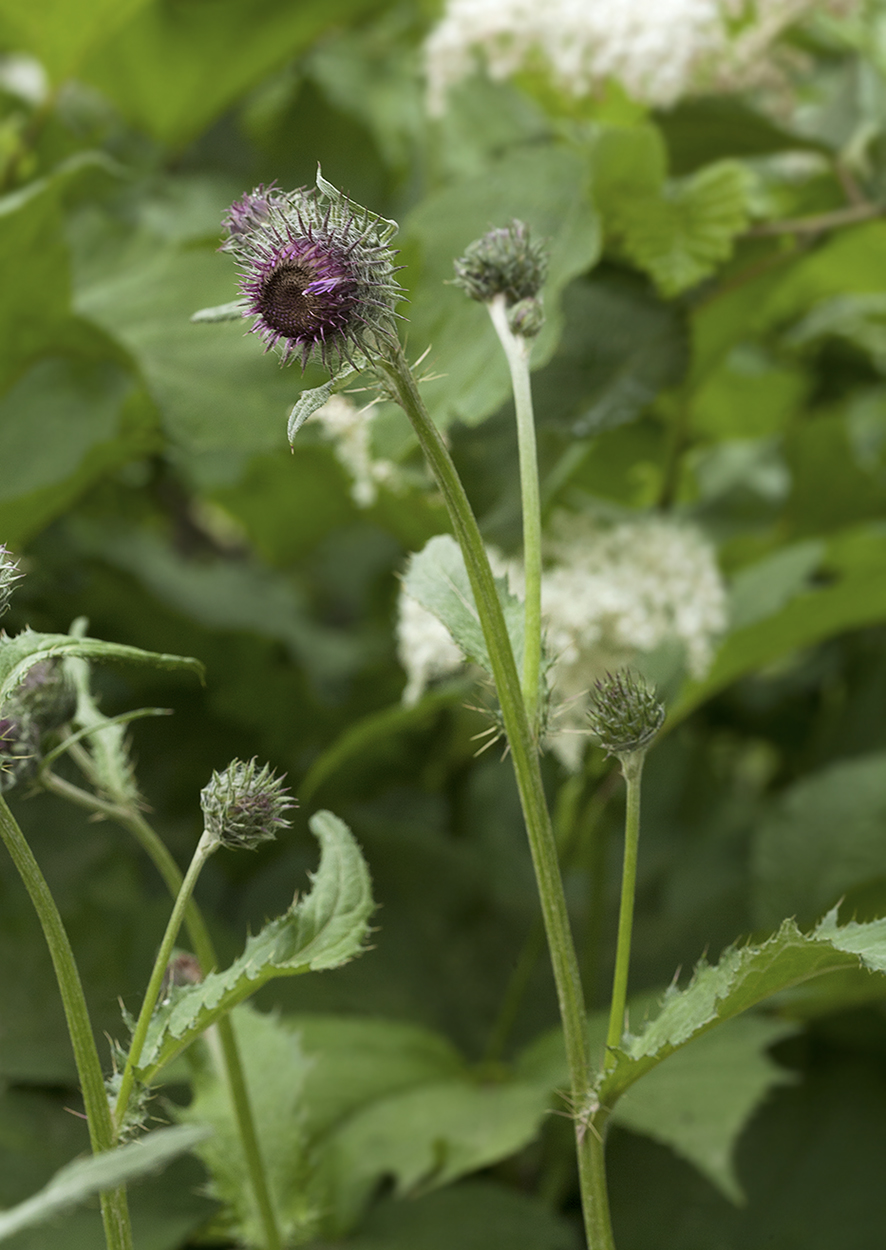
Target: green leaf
x=856, y=600
x=234, y=311
x=170, y=70
x=274, y=1067
x=475, y=1215
x=699, y=1102
x=323, y=930
x=743, y=978
x=60, y=36
x=427, y=1137
x=760, y=590
x=19, y=654
x=825, y=836
x=436, y=578
x=543, y=186
x=683, y=234
x=312, y=401
x=82, y=1179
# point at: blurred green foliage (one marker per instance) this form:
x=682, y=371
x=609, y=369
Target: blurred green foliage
x=697, y=357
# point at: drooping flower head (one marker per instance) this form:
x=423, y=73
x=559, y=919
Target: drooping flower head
x=316, y=273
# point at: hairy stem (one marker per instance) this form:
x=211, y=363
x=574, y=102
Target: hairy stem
x=205, y=848
x=157, y=851
x=528, y=775
x=517, y=349
x=114, y=1207
x=632, y=765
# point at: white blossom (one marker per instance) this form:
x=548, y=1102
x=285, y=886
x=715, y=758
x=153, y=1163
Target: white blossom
x=610, y=593
x=350, y=429
x=659, y=51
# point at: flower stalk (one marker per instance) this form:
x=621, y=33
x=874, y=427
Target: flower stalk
x=528, y=775
x=114, y=1206
x=517, y=348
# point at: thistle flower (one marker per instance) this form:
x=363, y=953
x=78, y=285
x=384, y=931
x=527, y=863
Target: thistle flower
x=9, y=575
x=625, y=715
x=242, y=807
x=19, y=750
x=46, y=696
x=505, y=261
x=316, y=273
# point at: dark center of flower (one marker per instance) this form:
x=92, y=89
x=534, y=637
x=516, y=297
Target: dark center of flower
x=299, y=302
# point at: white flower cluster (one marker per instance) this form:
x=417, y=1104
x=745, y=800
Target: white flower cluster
x=658, y=51
x=350, y=428
x=609, y=594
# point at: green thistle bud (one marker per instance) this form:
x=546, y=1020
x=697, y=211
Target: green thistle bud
x=626, y=715
x=504, y=262
x=527, y=317
x=9, y=575
x=46, y=695
x=19, y=749
x=242, y=807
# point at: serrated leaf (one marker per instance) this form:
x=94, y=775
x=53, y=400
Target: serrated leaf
x=683, y=234
x=436, y=578
x=82, y=1179
x=323, y=930
x=743, y=978
x=274, y=1068
x=19, y=654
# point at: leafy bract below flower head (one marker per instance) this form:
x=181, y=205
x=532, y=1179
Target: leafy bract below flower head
x=9, y=575
x=505, y=261
x=317, y=273
x=625, y=715
x=243, y=807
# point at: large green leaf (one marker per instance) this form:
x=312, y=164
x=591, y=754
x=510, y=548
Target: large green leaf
x=825, y=836
x=436, y=578
x=545, y=187
x=324, y=929
x=682, y=234
x=428, y=1137
x=174, y=68
x=856, y=600
x=85, y=1177
x=58, y=35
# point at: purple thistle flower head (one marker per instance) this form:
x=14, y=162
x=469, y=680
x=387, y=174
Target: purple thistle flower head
x=316, y=274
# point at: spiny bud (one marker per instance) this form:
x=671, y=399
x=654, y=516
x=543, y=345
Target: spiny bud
x=9, y=575
x=19, y=749
x=243, y=807
x=46, y=695
x=503, y=262
x=626, y=715
x=527, y=317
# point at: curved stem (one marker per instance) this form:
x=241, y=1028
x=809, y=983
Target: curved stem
x=517, y=349
x=205, y=848
x=115, y=1211
x=528, y=775
x=632, y=766
x=198, y=933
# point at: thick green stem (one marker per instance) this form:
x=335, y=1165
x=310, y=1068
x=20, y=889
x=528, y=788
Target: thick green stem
x=115, y=1211
x=232, y=1065
x=517, y=349
x=528, y=774
x=205, y=848
x=632, y=766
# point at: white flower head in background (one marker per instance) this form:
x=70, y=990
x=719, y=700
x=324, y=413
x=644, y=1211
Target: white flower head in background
x=350, y=429
x=658, y=51
x=610, y=594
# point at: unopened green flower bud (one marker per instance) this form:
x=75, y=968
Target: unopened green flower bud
x=243, y=807
x=46, y=695
x=626, y=715
x=19, y=749
x=9, y=575
x=504, y=262
x=527, y=317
